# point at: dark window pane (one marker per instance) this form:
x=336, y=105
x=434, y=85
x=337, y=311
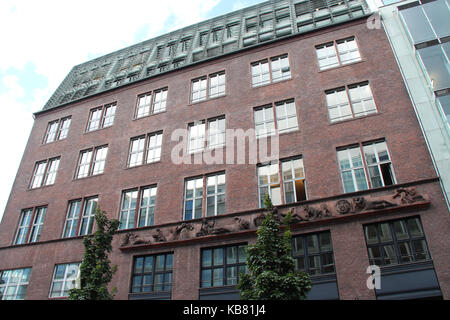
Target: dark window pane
x=206, y=278
x=206, y=258
x=138, y=265
x=417, y=24
x=218, y=256
x=439, y=15
x=415, y=228
x=401, y=231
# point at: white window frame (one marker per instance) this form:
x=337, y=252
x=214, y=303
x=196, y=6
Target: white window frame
x=196, y=136
x=38, y=222
x=24, y=224
x=198, y=185
x=147, y=212
x=216, y=133
x=65, y=280
x=281, y=110
x=88, y=214
x=72, y=219
x=215, y=181
x=15, y=280
x=130, y=210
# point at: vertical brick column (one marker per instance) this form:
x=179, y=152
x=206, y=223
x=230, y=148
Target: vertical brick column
x=351, y=261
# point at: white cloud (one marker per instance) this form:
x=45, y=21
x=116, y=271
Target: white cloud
x=54, y=36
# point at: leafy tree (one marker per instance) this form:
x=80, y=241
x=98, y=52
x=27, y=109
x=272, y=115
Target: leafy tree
x=95, y=270
x=272, y=273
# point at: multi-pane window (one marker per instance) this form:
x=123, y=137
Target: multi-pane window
x=26, y=233
x=57, y=130
x=91, y=162
x=193, y=198
x=215, y=195
x=151, y=103
x=128, y=209
x=376, y=165
x=23, y=227
x=355, y=101
x=222, y=266
x=209, y=189
x=145, y=149
x=152, y=273
x=264, y=121
x=293, y=175
x=396, y=242
x=142, y=200
x=273, y=70
x=313, y=253
x=216, y=133
x=101, y=117
x=285, y=114
x=337, y=53
x=14, y=284
x=72, y=218
x=197, y=135
x=215, y=136
x=208, y=87
x=292, y=184
x=88, y=216
x=44, y=173
x=64, y=279
x=217, y=84
x=37, y=224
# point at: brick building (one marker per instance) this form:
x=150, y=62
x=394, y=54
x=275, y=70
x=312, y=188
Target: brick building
x=352, y=165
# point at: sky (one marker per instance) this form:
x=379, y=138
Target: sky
x=43, y=40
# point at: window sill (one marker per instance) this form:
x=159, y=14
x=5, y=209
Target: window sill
x=354, y=118
x=149, y=115
x=52, y=142
x=342, y=66
x=99, y=129
x=42, y=187
x=206, y=100
x=142, y=165
x=271, y=83
x=88, y=177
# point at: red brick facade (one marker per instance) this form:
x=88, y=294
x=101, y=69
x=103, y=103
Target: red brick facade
x=316, y=141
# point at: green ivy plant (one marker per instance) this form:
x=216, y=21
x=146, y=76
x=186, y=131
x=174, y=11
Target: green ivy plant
x=272, y=274
x=95, y=270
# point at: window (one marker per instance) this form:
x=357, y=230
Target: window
x=222, y=266
x=38, y=223
x=313, y=253
x=101, y=117
x=285, y=114
x=44, y=173
x=355, y=101
x=14, y=284
x=145, y=206
x=193, y=199
x=91, y=162
x=396, y=242
x=216, y=133
x=151, y=103
x=145, y=149
x=72, y=218
x=194, y=195
x=292, y=186
x=196, y=137
x=215, y=136
x=24, y=225
x=64, y=279
x=152, y=273
x=57, y=130
x=265, y=73
x=87, y=219
x=208, y=87
x=76, y=225
x=376, y=162
x=337, y=53
x=215, y=195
